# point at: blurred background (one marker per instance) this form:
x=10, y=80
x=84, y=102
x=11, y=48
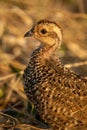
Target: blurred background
x=16, y=18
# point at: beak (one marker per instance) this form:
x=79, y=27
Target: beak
x=29, y=33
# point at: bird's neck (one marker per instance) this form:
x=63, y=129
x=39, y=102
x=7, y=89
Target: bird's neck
x=45, y=52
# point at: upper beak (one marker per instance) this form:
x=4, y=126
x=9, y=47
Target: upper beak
x=29, y=33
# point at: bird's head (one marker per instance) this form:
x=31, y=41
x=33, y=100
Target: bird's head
x=47, y=32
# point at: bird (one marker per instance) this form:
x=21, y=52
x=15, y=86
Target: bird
x=58, y=94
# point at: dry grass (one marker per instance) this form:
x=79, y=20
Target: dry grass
x=16, y=17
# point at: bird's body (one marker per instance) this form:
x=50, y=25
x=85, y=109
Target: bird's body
x=58, y=94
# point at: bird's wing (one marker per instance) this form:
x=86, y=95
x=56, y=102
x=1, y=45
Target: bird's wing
x=69, y=92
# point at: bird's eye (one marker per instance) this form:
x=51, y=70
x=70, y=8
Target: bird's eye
x=43, y=31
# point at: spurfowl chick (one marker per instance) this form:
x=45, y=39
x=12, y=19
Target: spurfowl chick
x=58, y=94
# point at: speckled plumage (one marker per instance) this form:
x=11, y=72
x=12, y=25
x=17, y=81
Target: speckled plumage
x=58, y=94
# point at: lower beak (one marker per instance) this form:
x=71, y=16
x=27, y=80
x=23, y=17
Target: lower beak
x=29, y=33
